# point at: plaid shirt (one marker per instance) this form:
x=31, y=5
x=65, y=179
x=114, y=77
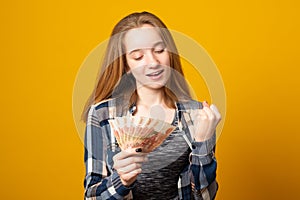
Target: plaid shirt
x=196, y=181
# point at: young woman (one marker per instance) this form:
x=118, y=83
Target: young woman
x=142, y=76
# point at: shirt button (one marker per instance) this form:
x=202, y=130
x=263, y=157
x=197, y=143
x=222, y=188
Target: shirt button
x=193, y=146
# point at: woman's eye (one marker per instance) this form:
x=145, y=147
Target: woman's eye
x=159, y=51
x=138, y=58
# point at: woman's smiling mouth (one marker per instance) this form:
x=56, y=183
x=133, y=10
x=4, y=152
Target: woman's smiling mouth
x=155, y=75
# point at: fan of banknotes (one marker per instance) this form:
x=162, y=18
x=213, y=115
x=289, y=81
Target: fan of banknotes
x=140, y=132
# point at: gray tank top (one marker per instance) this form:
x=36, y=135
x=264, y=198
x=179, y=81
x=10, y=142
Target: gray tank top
x=159, y=177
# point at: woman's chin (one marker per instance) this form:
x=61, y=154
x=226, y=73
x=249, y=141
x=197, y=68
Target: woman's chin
x=153, y=85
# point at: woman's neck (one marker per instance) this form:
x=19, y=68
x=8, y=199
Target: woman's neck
x=151, y=103
x=149, y=97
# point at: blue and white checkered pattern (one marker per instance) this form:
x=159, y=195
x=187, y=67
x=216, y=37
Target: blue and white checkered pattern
x=196, y=181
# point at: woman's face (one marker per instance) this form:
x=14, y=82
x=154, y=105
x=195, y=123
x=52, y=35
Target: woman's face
x=147, y=57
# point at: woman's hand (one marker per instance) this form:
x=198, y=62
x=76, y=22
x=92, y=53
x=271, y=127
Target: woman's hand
x=128, y=164
x=205, y=121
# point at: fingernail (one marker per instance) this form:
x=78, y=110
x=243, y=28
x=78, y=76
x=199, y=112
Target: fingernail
x=205, y=103
x=138, y=150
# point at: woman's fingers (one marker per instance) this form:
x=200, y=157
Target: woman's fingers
x=129, y=178
x=210, y=116
x=132, y=168
x=205, y=121
x=216, y=112
x=120, y=163
x=128, y=164
x=205, y=104
x=127, y=153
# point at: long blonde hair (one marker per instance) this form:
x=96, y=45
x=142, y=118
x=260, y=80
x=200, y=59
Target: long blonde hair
x=114, y=65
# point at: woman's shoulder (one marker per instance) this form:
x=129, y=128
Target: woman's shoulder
x=108, y=108
x=106, y=103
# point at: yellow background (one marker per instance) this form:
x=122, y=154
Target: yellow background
x=255, y=45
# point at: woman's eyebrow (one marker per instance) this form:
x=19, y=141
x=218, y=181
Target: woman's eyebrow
x=154, y=45
x=135, y=50
x=158, y=43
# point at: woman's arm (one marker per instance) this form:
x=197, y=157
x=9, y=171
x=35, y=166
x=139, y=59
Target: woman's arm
x=199, y=178
x=103, y=180
x=203, y=162
x=100, y=181
x=203, y=166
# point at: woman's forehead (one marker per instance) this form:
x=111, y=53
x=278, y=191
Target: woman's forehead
x=141, y=38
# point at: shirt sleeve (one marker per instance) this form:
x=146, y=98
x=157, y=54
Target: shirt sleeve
x=100, y=182
x=203, y=167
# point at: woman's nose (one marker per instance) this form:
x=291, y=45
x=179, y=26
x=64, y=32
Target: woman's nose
x=151, y=59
